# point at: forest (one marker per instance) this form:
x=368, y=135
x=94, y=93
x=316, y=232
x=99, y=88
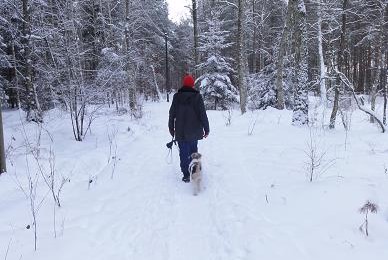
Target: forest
x=294, y=163
x=82, y=55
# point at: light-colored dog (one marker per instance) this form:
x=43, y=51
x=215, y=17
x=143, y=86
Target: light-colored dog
x=195, y=169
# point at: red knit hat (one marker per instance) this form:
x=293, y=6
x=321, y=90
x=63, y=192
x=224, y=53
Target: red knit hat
x=188, y=81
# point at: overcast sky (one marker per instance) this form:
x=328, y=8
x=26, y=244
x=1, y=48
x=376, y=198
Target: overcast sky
x=177, y=9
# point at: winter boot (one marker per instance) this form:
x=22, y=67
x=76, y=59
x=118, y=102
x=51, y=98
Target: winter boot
x=186, y=178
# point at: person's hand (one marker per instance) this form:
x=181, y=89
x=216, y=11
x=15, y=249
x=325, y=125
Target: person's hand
x=205, y=135
x=172, y=132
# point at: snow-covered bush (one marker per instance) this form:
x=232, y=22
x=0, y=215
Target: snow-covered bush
x=317, y=161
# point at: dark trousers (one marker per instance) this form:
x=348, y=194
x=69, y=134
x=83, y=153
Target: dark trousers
x=186, y=148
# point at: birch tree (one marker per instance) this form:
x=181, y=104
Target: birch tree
x=322, y=65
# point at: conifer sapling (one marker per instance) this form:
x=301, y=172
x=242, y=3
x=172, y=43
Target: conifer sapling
x=369, y=207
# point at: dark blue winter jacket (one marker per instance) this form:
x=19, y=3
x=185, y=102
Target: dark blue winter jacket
x=188, y=119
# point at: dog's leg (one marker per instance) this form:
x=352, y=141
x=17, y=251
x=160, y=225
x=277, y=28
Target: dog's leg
x=195, y=187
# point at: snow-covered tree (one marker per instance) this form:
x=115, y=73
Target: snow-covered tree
x=21, y=38
x=299, y=47
x=111, y=76
x=262, y=87
x=294, y=42
x=215, y=84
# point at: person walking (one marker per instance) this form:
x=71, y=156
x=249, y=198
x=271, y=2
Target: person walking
x=188, y=122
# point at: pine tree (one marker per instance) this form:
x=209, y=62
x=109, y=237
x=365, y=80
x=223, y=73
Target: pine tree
x=215, y=84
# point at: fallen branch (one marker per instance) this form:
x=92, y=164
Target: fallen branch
x=349, y=85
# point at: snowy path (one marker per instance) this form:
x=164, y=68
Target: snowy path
x=256, y=203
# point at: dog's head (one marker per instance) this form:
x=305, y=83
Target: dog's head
x=196, y=156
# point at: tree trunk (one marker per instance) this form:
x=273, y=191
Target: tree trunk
x=384, y=63
x=241, y=57
x=260, y=62
x=299, y=42
x=384, y=82
x=16, y=76
x=339, y=66
x=368, y=71
x=132, y=86
x=3, y=167
x=322, y=66
x=253, y=68
x=158, y=94
x=379, y=75
x=361, y=71
x=279, y=63
x=333, y=115
x=168, y=88
x=377, y=81
x=196, y=38
x=32, y=106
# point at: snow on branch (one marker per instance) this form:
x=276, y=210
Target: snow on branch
x=229, y=3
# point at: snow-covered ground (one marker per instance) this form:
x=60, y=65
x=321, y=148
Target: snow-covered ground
x=257, y=202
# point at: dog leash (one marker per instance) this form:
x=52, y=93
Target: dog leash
x=169, y=146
